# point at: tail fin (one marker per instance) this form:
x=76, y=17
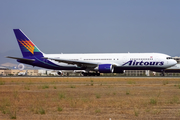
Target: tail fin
x=28, y=48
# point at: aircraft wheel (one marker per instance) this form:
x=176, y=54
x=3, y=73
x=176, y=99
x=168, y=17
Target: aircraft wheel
x=162, y=74
x=98, y=74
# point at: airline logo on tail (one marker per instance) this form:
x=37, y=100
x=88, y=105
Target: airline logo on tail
x=28, y=45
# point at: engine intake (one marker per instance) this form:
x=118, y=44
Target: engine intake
x=59, y=72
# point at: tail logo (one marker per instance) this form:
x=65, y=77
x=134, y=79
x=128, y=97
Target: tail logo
x=28, y=45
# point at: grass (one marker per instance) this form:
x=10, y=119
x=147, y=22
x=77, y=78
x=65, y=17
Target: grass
x=45, y=86
x=60, y=109
x=175, y=99
x=131, y=82
x=2, y=82
x=97, y=111
x=98, y=96
x=72, y=86
x=37, y=109
x=47, y=95
x=61, y=95
x=41, y=111
x=177, y=86
x=153, y=101
x=5, y=102
x=26, y=87
x=4, y=105
x=136, y=112
x=156, y=111
x=127, y=92
x=116, y=98
x=15, y=94
x=92, y=83
x=13, y=115
x=7, y=107
x=165, y=82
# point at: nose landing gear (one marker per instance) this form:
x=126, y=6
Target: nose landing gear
x=162, y=73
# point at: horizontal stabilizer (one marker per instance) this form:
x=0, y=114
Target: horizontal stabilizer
x=25, y=59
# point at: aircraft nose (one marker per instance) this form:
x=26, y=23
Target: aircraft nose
x=173, y=62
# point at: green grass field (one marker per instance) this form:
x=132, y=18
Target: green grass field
x=89, y=98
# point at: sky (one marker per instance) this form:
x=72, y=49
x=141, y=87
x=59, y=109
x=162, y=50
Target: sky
x=92, y=26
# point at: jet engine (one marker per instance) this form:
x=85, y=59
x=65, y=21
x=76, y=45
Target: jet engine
x=60, y=73
x=21, y=66
x=105, y=68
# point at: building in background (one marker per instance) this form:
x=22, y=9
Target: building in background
x=3, y=68
x=42, y=72
x=135, y=72
x=177, y=59
x=17, y=72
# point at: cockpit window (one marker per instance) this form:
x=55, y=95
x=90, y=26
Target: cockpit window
x=169, y=58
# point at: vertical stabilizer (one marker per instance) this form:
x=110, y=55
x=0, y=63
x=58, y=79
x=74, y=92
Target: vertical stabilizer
x=28, y=48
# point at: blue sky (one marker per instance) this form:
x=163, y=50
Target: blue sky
x=93, y=26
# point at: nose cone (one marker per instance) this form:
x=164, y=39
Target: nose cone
x=173, y=62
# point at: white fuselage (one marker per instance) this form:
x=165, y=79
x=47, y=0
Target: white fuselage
x=124, y=60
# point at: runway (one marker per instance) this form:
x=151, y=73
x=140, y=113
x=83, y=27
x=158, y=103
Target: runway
x=87, y=77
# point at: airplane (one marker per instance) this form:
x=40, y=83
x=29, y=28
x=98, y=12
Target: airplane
x=98, y=62
x=22, y=73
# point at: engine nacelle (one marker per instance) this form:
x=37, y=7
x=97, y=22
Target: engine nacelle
x=60, y=73
x=105, y=68
x=21, y=66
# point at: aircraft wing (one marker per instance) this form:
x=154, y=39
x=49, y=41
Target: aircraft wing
x=76, y=62
x=24, y=59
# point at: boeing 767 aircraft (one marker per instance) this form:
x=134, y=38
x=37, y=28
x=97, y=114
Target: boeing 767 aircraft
x=99, y=62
